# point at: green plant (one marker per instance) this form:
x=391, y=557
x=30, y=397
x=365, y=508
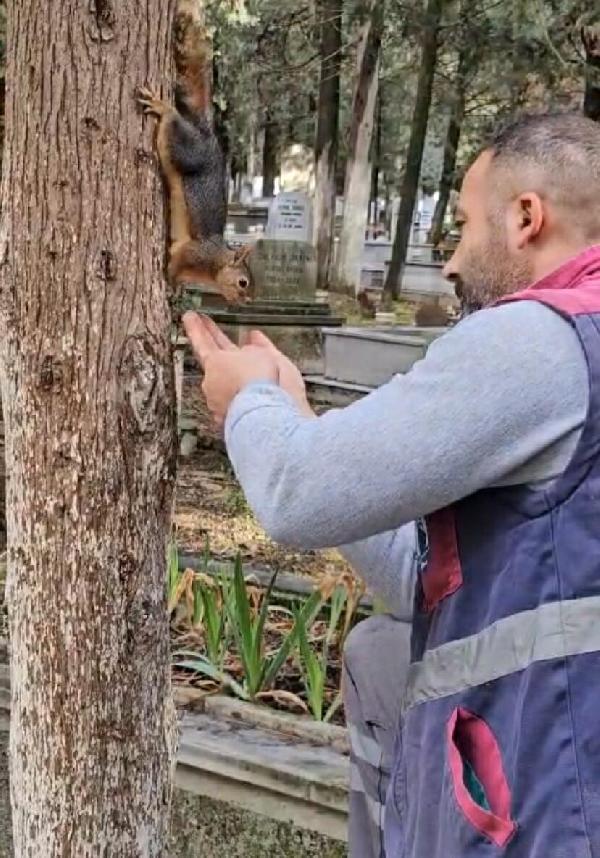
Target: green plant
x=186, y=585
x=173, y=574
x=260, y=668
x=344, y=593
x=203, y=665
x=249, y=633
x=247, y=624
x=314, y=677
x=313, y=667
x=338, y=600
x=211, y=599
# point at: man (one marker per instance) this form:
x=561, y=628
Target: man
x=477, y=476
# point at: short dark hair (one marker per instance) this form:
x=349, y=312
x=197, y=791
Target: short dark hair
x=561, y=153
x=548, y=137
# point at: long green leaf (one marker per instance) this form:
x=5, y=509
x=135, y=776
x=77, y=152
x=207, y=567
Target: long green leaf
x=202, y=665
x=244, y=631
x=213, y=624
x=338, y=600
x=313, y=674
x=198, y=612
x=259, y=631
x=173, y=573
x=334, y=707
x=264, y=609
x=306, y=617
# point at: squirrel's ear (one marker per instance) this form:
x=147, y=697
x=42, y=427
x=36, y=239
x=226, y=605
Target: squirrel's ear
x=242, y=254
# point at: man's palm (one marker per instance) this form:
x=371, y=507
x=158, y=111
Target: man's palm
x=290, y=377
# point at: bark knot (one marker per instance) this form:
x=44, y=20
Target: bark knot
x=144, y=386
x=50, y=375
x=107, y=268
x=104, y=20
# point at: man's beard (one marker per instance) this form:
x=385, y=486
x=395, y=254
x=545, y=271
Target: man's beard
x=489, y=274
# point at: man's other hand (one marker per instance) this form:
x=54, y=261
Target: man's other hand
x=227, y=368
x=290, y=377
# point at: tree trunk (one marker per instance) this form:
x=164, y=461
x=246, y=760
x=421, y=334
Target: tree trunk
x=450, y=152
x=376, y=165
x=88, y=396
x=2, y=485
x=448, y=172
x=270, y=169
x=591, y=41
x=326, y=144
x=410, y=183
x=358, y=172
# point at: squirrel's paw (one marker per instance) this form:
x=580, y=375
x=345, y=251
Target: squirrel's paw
x=151, y=102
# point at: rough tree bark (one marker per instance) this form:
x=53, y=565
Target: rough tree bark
x=591, y=42
x=358, y=172
x=2, y=485
x=326, y=143
x=410, y=183
x=89, y=406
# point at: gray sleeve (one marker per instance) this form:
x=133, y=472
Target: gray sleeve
x=494, y=394
x=388, y=563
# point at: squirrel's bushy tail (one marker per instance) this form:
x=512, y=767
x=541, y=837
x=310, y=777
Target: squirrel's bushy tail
x=193, y=58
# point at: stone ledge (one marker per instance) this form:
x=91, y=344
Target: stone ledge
x=297, y=726
x=265, y=772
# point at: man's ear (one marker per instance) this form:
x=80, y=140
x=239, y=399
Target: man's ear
x=530, y=218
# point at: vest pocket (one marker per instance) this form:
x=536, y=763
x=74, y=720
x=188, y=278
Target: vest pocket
x=480, y=786
x=442, y=575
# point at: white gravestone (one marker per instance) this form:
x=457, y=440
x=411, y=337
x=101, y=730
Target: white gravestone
x=290, y=218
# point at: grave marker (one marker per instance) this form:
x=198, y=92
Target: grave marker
x=290, y=218
x=284, y=270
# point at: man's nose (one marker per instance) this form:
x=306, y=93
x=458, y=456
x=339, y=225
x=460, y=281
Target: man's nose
x=450, y=270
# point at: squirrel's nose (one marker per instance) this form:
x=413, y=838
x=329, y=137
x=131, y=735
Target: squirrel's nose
x=243, y=283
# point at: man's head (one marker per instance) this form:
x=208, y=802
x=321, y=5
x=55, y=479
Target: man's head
x=530, y=201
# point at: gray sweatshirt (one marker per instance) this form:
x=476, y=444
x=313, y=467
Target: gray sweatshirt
x=498, y=400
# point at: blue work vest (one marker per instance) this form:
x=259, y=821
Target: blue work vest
x=499, y=748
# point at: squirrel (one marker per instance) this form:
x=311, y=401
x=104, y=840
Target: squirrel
x=193, y=165
x=367, y=306
x=431, y=315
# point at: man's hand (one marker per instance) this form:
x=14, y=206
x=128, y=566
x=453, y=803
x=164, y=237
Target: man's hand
x=227, y=368
x=290, y=377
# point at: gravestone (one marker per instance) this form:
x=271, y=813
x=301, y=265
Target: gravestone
x=284, y=264
x=290, y=218
x=427, y=208
x=283, y=270
x=287, y=271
